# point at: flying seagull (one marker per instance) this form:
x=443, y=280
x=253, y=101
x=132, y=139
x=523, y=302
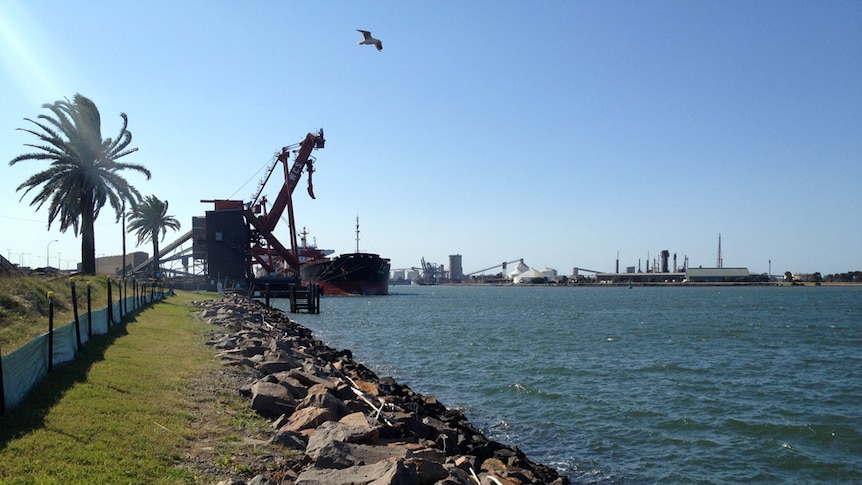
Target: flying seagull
x=368, y=40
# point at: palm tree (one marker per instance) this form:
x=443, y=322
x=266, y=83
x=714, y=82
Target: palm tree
x=147, y=220
x=83, y=174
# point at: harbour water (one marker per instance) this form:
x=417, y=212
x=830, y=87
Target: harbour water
x=627, y=386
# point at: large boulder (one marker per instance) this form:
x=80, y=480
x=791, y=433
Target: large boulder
x=307, y=418
x=324, y=400
x=271, y=399
x=380, y=473
x=336, y=431
x=338, y=454
x=426, y=472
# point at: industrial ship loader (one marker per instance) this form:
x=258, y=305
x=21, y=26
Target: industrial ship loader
x=241, y=243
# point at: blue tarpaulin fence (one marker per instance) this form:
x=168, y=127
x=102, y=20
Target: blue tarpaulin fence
x=25, y=367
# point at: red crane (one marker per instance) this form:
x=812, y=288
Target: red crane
x=265, y=223
x=264, y=247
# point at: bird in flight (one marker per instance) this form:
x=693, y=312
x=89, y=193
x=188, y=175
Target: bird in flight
x=368, y=40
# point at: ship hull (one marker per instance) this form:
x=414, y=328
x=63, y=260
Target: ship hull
x=349, y=274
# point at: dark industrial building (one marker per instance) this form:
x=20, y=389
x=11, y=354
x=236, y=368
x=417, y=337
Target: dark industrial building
x=226, y=245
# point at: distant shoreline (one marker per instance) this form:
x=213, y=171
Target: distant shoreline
x=662, y=283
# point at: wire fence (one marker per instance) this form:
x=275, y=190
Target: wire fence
x=22, y=369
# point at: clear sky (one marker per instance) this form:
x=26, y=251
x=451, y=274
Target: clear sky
x=561, y=132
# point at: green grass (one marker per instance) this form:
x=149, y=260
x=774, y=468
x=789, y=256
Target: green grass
x=124, y=411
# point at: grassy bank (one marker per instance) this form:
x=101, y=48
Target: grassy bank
x=132, y=408
x=24, y=305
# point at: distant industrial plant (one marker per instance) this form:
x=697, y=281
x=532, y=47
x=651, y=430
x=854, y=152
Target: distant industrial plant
x=664, y=269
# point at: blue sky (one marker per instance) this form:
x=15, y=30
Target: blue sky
x=559, y=132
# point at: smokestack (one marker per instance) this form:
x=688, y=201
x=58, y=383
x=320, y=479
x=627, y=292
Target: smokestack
x=664, y=255
x=618, y=262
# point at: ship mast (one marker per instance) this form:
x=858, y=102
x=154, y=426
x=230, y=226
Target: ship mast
x=357, y=234
x=303, y=240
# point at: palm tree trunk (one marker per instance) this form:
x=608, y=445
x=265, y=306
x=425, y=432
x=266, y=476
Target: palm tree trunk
x=88, y=238
x=155, y=255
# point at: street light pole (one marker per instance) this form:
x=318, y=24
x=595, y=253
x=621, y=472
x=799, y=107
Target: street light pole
x=48, y=253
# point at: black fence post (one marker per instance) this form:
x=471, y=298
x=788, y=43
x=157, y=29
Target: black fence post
x=126, y=300
x=75, y=312
x=50, y=330
x=89, y=313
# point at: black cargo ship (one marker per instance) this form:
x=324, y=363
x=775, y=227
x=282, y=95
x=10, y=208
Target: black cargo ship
x=347, y=274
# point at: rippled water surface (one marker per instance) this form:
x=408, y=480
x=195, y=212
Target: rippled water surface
x=642, y=385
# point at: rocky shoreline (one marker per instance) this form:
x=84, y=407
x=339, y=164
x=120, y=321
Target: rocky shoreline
x=347, y=425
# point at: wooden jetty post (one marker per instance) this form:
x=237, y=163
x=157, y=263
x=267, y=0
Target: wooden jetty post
x=305, y=298
x=302, y=298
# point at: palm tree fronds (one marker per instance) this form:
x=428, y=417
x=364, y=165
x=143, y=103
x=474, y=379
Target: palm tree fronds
x=83, y=173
